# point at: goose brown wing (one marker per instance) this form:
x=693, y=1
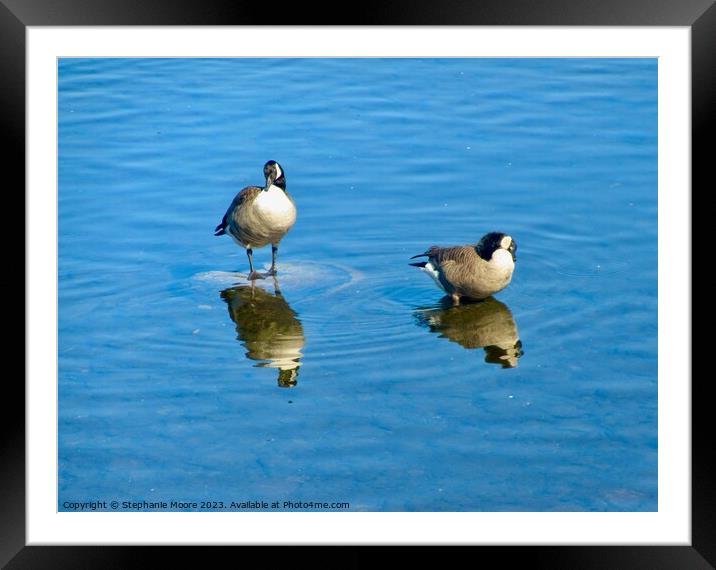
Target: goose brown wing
x=449, y=255
x=455, y=265
x=245, y=195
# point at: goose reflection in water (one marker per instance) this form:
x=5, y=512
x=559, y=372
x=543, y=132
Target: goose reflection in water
x=485, y=324
x=269, y=328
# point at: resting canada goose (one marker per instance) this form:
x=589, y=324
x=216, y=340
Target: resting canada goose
x=473, y=271
x=488, y=324
x=268, y=328
x=260, y=216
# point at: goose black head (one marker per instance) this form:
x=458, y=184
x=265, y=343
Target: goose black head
x=494, y=241
x=274, y=175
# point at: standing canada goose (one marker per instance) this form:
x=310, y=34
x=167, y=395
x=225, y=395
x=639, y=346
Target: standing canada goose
x=260, y=216
x=473, y=271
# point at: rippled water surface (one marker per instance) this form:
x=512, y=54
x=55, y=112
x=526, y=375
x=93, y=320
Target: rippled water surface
x=349, y=379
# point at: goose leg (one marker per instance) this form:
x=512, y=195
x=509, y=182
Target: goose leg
x=254, y=274
x=274, y=255
x=455, y=299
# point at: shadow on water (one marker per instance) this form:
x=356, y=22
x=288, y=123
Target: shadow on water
x=268, y=328
x=487, y=324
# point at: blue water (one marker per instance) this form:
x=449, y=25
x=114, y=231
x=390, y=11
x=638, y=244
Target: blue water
x=356, y=383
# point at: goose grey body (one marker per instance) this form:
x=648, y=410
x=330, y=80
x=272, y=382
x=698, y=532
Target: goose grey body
x=260, y=216
x=474, y=271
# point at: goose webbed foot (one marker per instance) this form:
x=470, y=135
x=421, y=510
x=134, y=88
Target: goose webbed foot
x=254, y=275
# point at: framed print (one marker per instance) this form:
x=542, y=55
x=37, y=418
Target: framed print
x=230, y=339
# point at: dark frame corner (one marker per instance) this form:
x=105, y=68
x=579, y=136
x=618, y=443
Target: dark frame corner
x=699, y=15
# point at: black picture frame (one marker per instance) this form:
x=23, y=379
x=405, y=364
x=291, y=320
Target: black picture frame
x=17, y=15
